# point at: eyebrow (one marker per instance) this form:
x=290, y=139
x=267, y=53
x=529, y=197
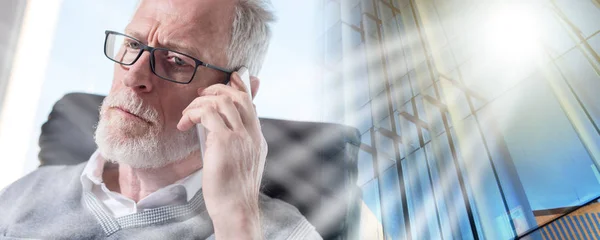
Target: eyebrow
x=169, y=44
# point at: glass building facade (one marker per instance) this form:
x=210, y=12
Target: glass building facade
x=478, y=119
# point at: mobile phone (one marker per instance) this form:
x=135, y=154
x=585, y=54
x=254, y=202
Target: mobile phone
x=245, y=76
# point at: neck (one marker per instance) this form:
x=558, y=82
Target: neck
x=136, y=183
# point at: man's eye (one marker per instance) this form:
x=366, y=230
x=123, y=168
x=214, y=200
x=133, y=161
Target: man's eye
x=179, y=61
x=133, y=45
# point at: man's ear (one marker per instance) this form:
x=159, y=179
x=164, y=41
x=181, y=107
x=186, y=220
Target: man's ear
x=254, y=84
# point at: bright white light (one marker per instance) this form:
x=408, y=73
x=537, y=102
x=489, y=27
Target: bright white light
x=511, y=33
x=24, y=86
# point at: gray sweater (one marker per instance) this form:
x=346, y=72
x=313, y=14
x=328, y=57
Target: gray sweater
x=50, y=204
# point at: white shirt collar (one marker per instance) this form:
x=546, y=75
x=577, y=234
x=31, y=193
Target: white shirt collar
x=91, y=180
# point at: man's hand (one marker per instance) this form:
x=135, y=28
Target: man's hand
x=234, y=157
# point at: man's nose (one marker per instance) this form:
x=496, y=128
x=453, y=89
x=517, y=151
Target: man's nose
x=139, y=76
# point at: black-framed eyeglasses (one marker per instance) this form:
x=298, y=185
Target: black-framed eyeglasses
x=165, y=63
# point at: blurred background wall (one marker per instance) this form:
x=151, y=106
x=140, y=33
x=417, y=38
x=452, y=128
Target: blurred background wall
x=11, y=17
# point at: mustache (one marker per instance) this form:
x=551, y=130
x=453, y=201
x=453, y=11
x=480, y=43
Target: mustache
x=131, y=103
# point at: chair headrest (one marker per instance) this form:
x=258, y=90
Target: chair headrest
x=309, y=165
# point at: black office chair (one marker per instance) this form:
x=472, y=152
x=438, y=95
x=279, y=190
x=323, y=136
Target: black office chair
x=309, y=165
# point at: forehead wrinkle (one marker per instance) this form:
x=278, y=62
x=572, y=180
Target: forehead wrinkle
x=165, y=39
x=199, y=30
x=205, y=44
x=192, y=32
x=172, y=41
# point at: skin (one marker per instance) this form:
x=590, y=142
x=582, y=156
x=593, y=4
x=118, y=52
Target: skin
x=235, y=147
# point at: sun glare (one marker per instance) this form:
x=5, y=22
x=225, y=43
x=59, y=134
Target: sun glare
x=511, y=33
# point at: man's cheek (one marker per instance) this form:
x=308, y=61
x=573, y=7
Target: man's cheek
x=172, y=118
x=118, y=75
x=175, y=113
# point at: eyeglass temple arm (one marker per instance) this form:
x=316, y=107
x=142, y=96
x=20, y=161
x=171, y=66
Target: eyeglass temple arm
x=220, y=69
x=217, y=68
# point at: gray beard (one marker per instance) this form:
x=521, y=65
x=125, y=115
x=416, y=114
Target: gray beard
x=153, y=148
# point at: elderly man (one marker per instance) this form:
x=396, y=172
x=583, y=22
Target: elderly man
x=148, y=179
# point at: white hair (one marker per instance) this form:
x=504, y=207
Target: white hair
x=250, y=35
